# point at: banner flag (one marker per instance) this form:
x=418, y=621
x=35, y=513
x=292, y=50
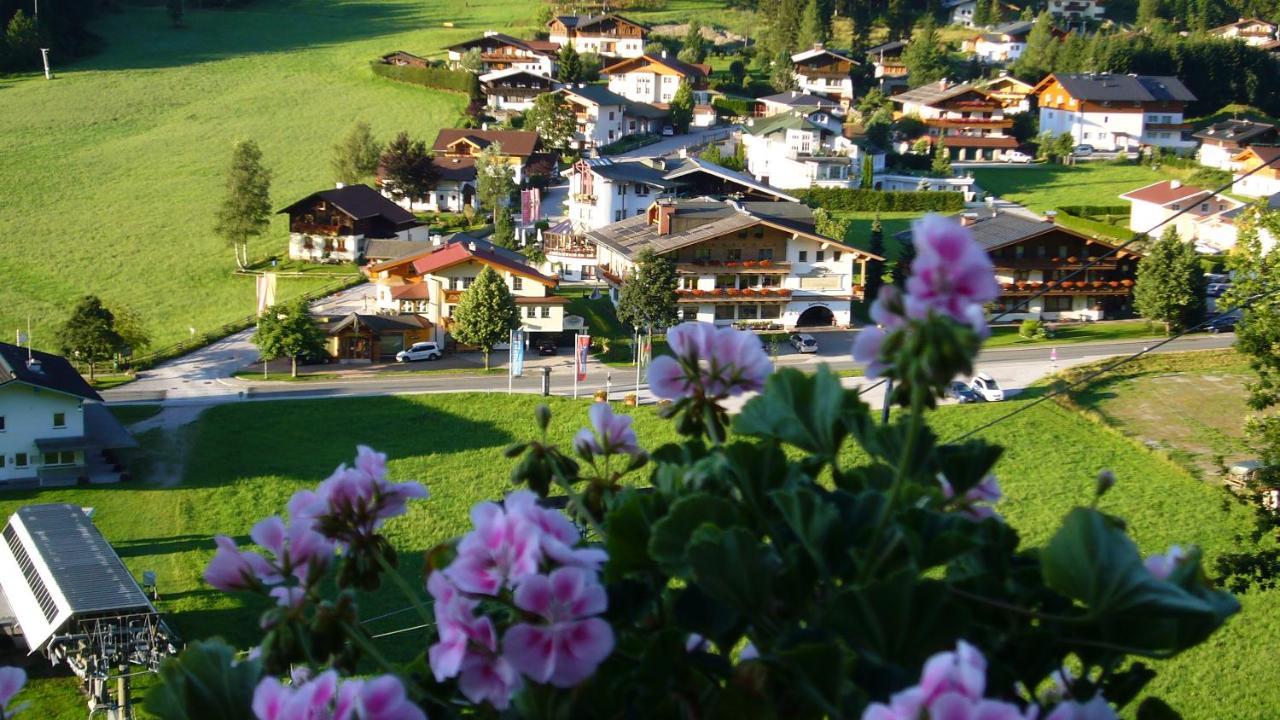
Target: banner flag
x=266, y=291
x=582, y=346
x=517, y=353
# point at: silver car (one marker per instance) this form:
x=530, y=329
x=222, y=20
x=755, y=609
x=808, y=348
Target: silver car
x=420, y=351
x=804, y=342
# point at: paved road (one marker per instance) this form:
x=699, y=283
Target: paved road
x=1014, y=368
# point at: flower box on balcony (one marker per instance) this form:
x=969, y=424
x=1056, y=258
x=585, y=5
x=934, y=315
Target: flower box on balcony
x=1052, y=284
x=1067, y=284
x=1098, y=284
x=750, y=263
x=1006, y=286
x=784, y=292
x=731, y=263
x=1126, y=282
x=1114, y=283
x=766, y=263
x=748, y=292
x=1073, y=259
x=857, y=287
x=734, y=292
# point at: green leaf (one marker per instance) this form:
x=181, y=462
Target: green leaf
x=896, y=618
x=809, y=411
x=968, y=463
x=205, y=683
x=817, y=673
x=671, y=534
x=815, y=522
x=697, y=612
x=733, y=567
x=629, y=524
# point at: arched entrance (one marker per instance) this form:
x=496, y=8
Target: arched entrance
x=816, y=316
x=468, y=196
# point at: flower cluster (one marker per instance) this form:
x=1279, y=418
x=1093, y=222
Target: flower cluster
x=609, y=434
x=525, y=556
x=1162, y=566
x=353, y=502
x=977, y=501
x=951, y=276
x=11, y=681
x=709, y=362
x=326, y=698
x=952, y=687
x=298, y=552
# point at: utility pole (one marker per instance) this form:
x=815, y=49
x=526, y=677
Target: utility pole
x=44, y=55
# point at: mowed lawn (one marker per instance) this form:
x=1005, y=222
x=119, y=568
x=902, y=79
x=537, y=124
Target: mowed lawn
x=111, y=173
x=892, y=223
x=1047, y=186
x=453, y=444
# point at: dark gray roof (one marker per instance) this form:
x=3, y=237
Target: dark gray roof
x=635, y=172
x=598, y=94
x=1014, y=29
x=380, y=323
x=889, y=48
x=1126, y=88
x=361, y=202
x=1235, y=131
x=798, y=99
x=933, y=93
x=86, y=569
x=51, y=371
x=692, y=165
x=1005, y=228
x=645, y=110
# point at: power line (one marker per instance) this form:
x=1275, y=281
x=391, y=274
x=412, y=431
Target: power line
x=401, y=630
x=376, y=618
x=1136, y=236
x=1108, y=368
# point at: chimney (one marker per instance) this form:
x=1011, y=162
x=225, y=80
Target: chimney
x=942, y=84
x=34, y=366
x=436, y=239
x=665, y=210
x=471, y=246
x=1050, y=216
x=795, y=93
x=664, y=54
x=818, y=46
x=1175, y=184
x=968, y=219
x=339, y=185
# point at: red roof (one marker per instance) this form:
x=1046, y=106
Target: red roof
x=412, y=291
x=461, y=252
x=516, y=143
x=1164, y=192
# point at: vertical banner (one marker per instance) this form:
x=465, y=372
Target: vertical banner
x=582, y=346
x=530, y=206
x=266, y=291
x=517, y=353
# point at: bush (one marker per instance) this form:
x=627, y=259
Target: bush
x=731, y=106
x=858, y=200
x=433, y=77
x=630, y=142
x=1083, y=218
x=1032, y=330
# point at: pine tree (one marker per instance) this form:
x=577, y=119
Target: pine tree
x=859, y=14
x=941, y=166
x=486, y=315
x=21, y=42
x=812, y=28
x=1170, y=282
x=1148, y=12
x=785, y=29
x=987, y=13
x=407, y=171
x=648, y=298
x=495, y=178
x=355, y=157
x=504, y=232
x=902, y=266
x=897, y=19
x=288, y=331
x=926, y=56
x=875, y=268
x=89, y=334
x=552, y=118
x=868, y=170
x=782, y=76
x=245, y=212
x=694, y=47
x=570, y=65
x=681, y=107
x=1037, y=59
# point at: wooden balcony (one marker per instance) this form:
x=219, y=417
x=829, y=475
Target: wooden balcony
x=318, y=229
x=1068, y=287
x=585, y=250
x=733, y=295
x=1052, y=263
x=731, y=267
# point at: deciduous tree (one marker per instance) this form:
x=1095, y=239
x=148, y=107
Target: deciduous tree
x=356, y=156
x=407, y=171
x=552, y=118
x=245, y=212
x=1256, y=279
x=288, y=331
x=89, y=334
x=1170, y=282
x=495, y=178
x=682, y=107
x=486, y=315
x=472, y=61
x=648, y=298
x=132, y=329
x=694, y=47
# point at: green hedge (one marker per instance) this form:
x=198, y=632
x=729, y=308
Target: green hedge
x=628, y=142
x=858, y=200
x=732, y=106
x=1080, y=219
x=458, y=81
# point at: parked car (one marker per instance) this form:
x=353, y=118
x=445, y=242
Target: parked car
x=1082, y=150
x=986, y=387
x=1223, y=324
x=668, y=131
x=962, y=393
x=546, y=347
x=420, y=351
x=1017, y=156
x=804, y=342
x=1217, y=278
x=1214, y=290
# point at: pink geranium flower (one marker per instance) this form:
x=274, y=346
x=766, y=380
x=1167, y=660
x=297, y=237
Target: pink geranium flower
x=235, y=569
x=557, y=536
x=322, y=698
x=502, y=549
x=489, y=678
x=461, y=632
x=951, y=688
x=571, y=644
x=609, y=434
x=1096, y=709
x=963, y=671
x=709, y=361
x=353, y=502
x=12, y=679
x=951, y=273
x=977, y=500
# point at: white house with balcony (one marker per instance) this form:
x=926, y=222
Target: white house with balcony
x=1206, y=218
x=970, y=122
x=337, y=225
x=54, y=429
x=607, y=35
x=824, y=72
x=799, y=150
x=602, y=116
x=1003, y=43
x=745, y=263
x=1254, y=32
x=655, y=78
x=499, y=52
x=1116, y=112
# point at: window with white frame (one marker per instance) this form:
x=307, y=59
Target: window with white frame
x=59, y=420
x=20, y=460
x=546, y=312
x=517, y=282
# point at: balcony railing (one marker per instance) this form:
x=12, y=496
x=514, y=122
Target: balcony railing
x=1054, y=263
x=609, y=275
x=702, y=267
x=318, y=229
x=574, y=251
x=1070, y=287
x=734, y=294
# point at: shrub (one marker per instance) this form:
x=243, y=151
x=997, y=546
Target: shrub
x=433, y=77
x=731, y=106
x=859, y=200
x=1032, y=330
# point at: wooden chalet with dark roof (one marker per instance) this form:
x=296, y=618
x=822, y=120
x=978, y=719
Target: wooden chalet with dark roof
x=745, y=263
x=825, y=72
x=1032, y=255
x=499, y=51
x=336, y=225
x=404, y=59
x=607, y=35
x=515, y=89
x=654, y=78
x=1222, y=141
x=969, y=122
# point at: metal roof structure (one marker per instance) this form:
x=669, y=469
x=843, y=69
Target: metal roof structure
x=55, y=567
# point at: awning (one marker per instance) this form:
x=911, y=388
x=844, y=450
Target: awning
x=79, y=442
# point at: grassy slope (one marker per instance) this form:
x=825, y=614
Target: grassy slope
x=452, y=444
x=111, y=173
x=1007, y=335
x=1045, y=186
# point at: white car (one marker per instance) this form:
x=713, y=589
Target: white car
x=1017, y=157
x=804, y=342
x=986, y=387
x=420, y=351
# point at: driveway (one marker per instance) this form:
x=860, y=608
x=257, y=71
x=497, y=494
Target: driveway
x=672, y=145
